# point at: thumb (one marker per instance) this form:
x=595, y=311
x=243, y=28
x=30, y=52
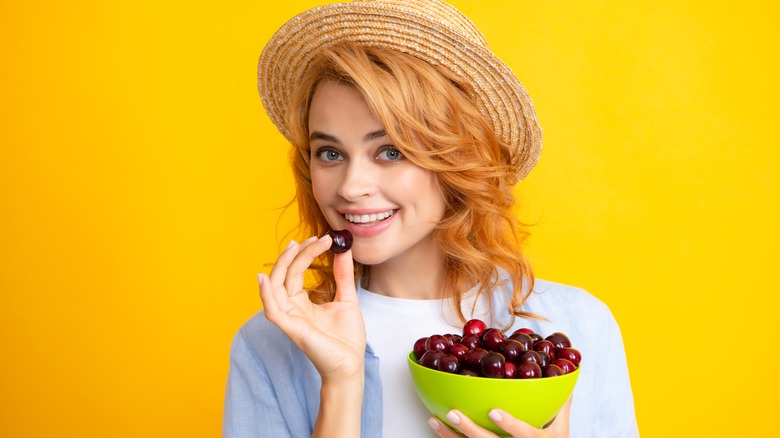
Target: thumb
x=344, y=273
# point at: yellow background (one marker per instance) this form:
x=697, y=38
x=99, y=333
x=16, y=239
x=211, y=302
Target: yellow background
x=141, y=181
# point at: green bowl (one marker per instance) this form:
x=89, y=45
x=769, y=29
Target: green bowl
x=535, y=401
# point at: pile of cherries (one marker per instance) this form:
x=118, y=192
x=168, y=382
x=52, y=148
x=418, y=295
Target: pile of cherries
x=487, y=352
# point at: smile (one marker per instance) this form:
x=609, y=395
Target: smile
x=368, y=218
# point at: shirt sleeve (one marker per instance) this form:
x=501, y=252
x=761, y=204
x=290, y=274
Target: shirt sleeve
x=251, y=405
x=616, y=417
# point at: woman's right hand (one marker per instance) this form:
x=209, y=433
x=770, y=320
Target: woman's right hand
x=331, y=335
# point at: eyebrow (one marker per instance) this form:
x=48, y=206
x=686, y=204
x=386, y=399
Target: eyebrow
x=317, y=135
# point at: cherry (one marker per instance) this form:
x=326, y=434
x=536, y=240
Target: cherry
x=342, y=241
x=492, y=365
x=545, y=359
x=431, y=358
x=571, y=354
x=474, y=358
x=531, y=356
x=524, y=339
x=492, y=339
x=419, y=347
x=565, y=365
x=553, y=370
x=471, y=341
x=510, y=371
x=449, y=364
x=512, y=350
x=459, y=351
x=525, y=330
x=438, y=342
x=559, y=339
x=453, y=338
x=474, y=327
x=529, y=370
x=467, y=372
x=546, y=346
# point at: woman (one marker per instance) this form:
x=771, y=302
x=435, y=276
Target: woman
x=407, y=131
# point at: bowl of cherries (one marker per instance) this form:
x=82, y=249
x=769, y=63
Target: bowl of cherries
x=522, y=372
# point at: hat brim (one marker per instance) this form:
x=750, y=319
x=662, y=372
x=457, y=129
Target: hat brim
x=500, y=96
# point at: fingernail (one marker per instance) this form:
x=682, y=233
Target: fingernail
x=435, y=425
x=260, y=279
x=310, y=239
x=495, y=415
x=452, y=417
x=292, y=242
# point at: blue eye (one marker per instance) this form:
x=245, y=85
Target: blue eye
x=391, y=154
x=328, y=155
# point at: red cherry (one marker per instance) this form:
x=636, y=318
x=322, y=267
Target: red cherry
x=571, y=354
x=492, y=339
x=545, y=346
x=449, y=364
x=419, y=347
x=510, y=371
x=474, y=358
x=512, y=350
x=553, y=370
x=529, y=370
x=559, y=339
x=492, y=365
x=430, y=359
x=474, y=327
x=565, y=365
x=459, y=351
x=453, y=338
x=471, y=341
x=524, y=339
x=545, y=359
x=525, y=330
x=342, y=241
x=531, y=356
x=438, y=342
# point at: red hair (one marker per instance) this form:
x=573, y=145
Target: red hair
x=433, y=119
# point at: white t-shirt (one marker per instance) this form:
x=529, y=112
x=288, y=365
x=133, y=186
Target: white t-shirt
x=392, y=327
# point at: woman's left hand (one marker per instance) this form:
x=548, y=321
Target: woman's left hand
x=559, y=428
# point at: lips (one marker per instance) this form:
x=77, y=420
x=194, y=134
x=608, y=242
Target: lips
x=367, y=223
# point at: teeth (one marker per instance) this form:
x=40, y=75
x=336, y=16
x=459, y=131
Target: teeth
x=366, y=218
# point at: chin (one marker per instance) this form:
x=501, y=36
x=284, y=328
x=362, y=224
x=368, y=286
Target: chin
x=368, y=258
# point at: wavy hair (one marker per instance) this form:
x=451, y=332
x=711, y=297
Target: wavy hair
x=433, y=119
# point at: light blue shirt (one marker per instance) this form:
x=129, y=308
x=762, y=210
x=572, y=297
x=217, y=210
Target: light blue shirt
x=273, y=390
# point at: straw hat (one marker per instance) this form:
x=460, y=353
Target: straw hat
x=428, y=29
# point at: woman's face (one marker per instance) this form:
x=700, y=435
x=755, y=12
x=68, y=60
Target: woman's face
x=364, y=184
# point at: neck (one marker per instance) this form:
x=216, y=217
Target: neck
x=419, y=274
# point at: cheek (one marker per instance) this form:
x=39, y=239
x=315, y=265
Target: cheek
x=321, y=187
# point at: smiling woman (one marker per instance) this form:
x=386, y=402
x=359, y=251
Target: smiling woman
x=413, y=145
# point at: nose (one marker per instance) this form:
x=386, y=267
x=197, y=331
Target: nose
x=359, y=180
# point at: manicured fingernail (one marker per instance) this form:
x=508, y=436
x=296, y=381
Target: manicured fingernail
x=260, y=279
x=292, y=242
x=310, y=239
x=495, y=415
x=452, y=417
x=434, y=423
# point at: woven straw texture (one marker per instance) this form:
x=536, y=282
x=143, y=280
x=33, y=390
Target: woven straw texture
x=431, y=30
